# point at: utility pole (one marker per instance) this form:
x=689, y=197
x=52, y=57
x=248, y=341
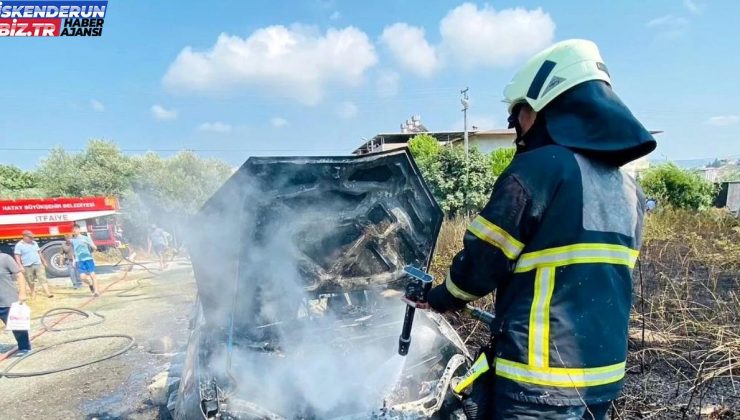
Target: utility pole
x=466, y=104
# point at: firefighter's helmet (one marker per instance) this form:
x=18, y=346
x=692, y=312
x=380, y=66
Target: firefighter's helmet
x=553, y=71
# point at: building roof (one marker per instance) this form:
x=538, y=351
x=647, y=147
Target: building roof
x=402, y=139
x=396, y=140
x=399, y=139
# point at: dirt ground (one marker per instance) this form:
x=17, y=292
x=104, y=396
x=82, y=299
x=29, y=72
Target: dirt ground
x=153, y=312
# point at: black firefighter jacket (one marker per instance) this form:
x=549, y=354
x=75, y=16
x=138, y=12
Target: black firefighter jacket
x=558, y=241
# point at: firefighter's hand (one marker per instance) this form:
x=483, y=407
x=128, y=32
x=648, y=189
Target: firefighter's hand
x=435, y=299
x=423, y=305
x=440, y=300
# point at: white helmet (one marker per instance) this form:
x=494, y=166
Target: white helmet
x=553, y=71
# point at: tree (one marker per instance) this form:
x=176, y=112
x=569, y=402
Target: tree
x=716, y=163
x=102, y=169
x=168, y=191
x=455, y=190
x=425, y=149
x=500, y=159
x=150, y=189
x=17, y=183
x=677, y=187
x=443, y=169
x=181, y=183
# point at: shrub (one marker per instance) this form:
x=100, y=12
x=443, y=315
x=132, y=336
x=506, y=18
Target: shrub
x=425, y=149
x=500, y=159
x=457, y=191
x=678, y=188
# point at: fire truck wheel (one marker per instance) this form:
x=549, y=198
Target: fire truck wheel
x=53, y=255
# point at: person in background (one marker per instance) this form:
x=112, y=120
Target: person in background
x=650, y=204
x=83, y=247
x=158, y=241
x=32, y=263
x=127, y=252
x=9, y=295
x=68, y=252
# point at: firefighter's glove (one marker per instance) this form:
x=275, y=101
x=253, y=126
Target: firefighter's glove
x=440, y=300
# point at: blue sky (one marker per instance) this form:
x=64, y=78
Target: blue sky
x=314, y=77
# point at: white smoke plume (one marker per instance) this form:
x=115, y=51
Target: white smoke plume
x=277, y=344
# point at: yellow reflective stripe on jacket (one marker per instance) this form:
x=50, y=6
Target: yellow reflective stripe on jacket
x=539, y=318
x=559, y=377
x=458, y=292
x=494, y=235
x=479, y=367
x=577, y=254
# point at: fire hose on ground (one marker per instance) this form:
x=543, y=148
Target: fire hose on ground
x=52, y=328
x=8, y=374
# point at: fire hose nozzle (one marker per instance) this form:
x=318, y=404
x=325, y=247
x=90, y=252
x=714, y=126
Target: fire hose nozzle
x=403, y=345
x=416, y=292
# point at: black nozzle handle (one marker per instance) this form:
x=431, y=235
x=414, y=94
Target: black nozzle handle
x=404, y=341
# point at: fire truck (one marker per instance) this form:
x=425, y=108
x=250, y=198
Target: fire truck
x=51, y=218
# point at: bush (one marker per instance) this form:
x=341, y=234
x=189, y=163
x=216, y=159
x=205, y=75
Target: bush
x=152, y=189
x=425, y=149
x=500, y=159
x=678, y=188
x=17, y=183
x=444, y=170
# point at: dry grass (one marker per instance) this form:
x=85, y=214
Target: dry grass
x=685, y=336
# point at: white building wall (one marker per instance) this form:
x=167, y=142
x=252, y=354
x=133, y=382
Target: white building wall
x=636, y=166
x=488, y=144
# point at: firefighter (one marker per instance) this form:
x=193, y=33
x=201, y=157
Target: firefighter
x=557, y=241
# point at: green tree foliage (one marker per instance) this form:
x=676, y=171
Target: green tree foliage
x=17, y=183
x=678, y=188
x=444, y=170
x=500, y=159
x=181, y=183
x=152, y=189
x=168, y=191
x=425, y=149
x=102, y=169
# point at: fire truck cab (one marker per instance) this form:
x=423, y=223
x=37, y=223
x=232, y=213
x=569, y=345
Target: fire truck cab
x=51, y=218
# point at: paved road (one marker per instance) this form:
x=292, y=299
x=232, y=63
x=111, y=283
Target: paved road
x=116, y=388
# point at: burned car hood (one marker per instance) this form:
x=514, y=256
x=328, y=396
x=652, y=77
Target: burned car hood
x=329, y=223
x=298, y=262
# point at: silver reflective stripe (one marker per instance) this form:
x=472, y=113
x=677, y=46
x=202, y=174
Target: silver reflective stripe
x=458, y=292
x=562, y=377
x=577, y=254
x=496, y=236
x=539, y=322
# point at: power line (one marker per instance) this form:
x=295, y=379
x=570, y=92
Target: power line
x=40, y=149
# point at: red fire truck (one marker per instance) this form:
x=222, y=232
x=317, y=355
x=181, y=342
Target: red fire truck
x=50, y=218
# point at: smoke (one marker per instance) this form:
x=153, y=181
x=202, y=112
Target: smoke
x=259, y=248
x=323, y=362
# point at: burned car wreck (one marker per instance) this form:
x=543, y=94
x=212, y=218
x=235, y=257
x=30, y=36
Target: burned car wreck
x=299, y=263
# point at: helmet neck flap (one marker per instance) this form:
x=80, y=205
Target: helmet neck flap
x=591, y=119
